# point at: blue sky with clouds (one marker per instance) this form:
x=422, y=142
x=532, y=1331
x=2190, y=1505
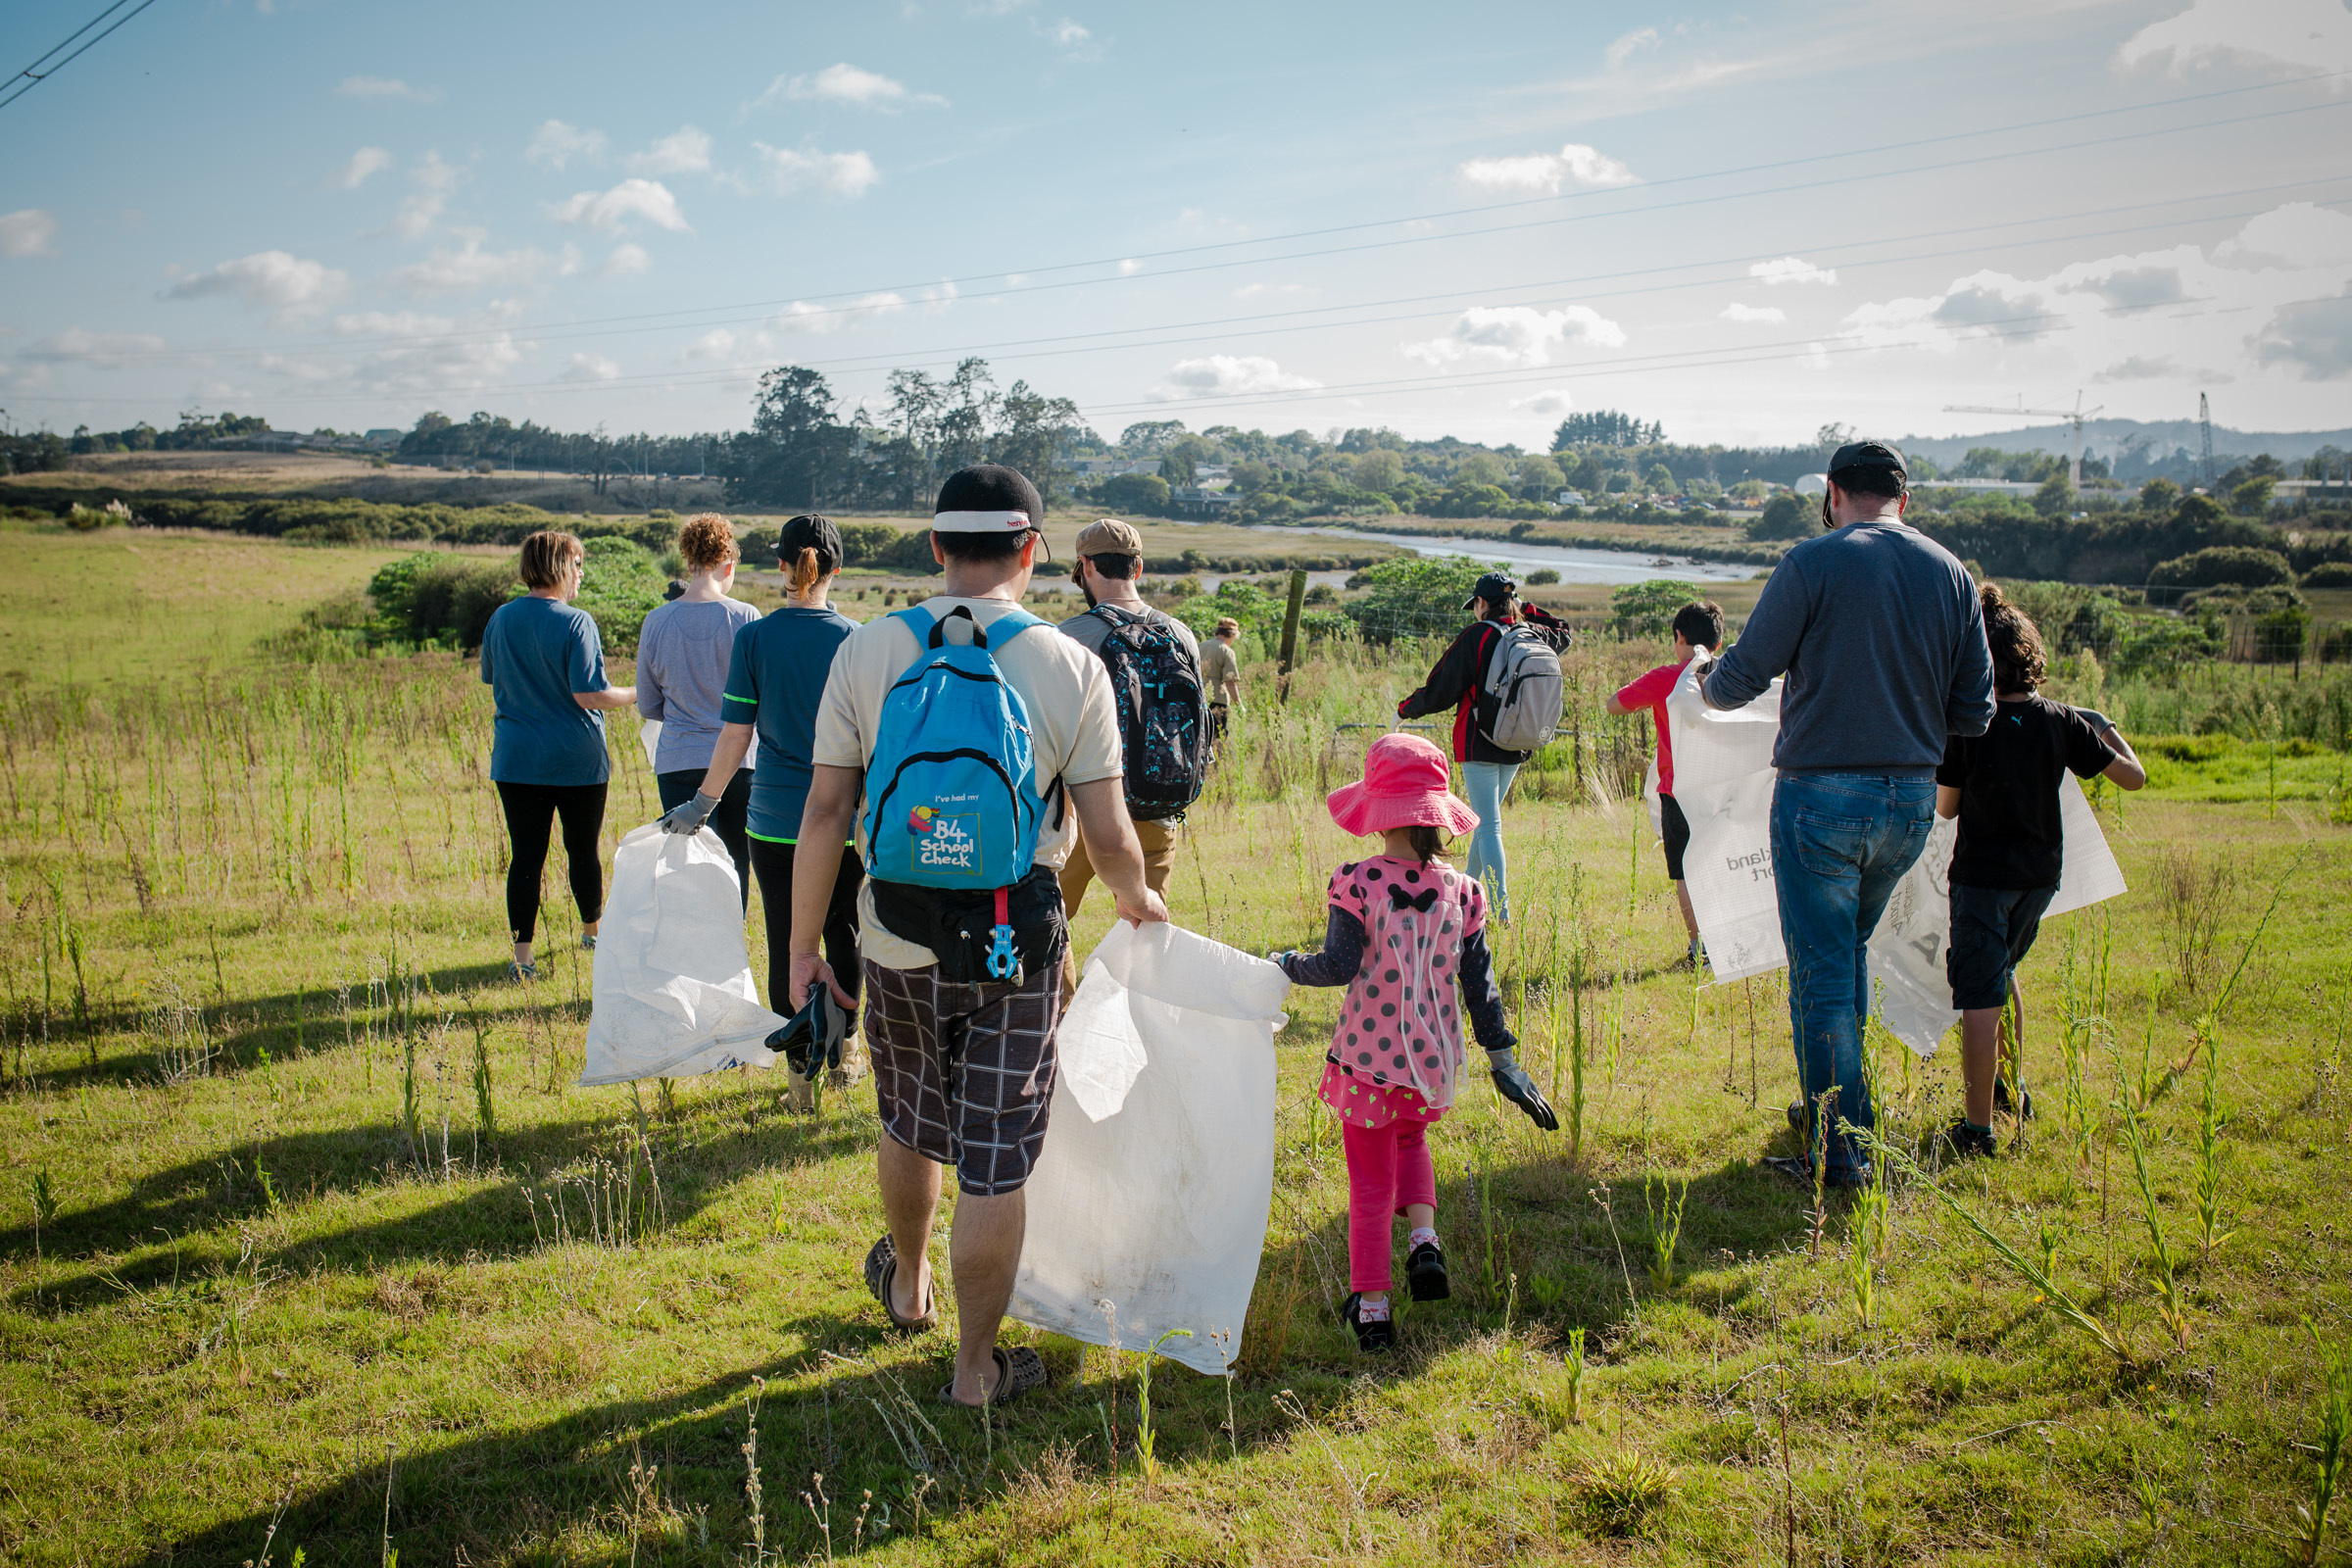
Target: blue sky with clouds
x=1459, y=219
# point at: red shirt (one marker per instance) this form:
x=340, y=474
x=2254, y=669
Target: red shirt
x=1650, y=691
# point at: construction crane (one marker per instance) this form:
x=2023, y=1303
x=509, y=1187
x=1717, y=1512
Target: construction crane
x=2075, y=416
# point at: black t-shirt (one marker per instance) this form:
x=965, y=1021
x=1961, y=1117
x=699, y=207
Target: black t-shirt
x=2008, y=782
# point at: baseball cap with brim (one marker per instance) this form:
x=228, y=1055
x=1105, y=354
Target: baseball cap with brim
x=990, y=498
x=1868, y=454
x=1403, y=786
x=1494, y=588
x=810, y=531
x=1109, y=536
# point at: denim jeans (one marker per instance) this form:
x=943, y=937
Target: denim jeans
x=1484, y=785
x=1840, y=843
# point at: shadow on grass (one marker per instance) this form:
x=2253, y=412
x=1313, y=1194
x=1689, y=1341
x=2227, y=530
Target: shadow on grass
x=161, y=1213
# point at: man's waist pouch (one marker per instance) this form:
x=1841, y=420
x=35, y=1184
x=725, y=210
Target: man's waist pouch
x=960, y=925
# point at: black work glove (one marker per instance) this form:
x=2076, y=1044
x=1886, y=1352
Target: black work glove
x=810, y=1039
x=1513, y=1084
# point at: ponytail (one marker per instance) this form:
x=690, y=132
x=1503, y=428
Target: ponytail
x=807, y=568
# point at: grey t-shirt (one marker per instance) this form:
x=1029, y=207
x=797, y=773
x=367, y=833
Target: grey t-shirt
x=1090, y=628
x=682, y=656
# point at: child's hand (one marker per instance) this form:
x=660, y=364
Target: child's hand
x=1513, y=1084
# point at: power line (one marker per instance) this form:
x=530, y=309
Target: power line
x=735, y=313
x=33, y=75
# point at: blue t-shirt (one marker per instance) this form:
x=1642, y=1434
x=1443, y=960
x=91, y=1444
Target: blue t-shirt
x=536, y=653
x=775, y=682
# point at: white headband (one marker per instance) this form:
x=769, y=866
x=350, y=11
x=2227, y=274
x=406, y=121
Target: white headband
x=978, y=521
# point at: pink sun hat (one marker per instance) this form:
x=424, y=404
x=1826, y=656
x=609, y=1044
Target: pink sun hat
x=1403, y=786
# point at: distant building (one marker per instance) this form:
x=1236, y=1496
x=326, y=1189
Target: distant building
x=1569, y=498
x=386, y=439
x=1201, y=506
x=1812, y=485
x=1108, y=468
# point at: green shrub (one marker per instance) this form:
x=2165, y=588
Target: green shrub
x=1786, y=516
x=2330, y=575
x=1413, y=596
x=2241, y=566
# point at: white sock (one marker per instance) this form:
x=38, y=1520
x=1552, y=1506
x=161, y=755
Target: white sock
x=1372, y=1307
x=1422, y=1233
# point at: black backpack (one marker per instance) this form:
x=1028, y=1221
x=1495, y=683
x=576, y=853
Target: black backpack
x=1164, y=714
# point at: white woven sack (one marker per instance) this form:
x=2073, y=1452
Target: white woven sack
x=1147, y=1207
x=672, y=987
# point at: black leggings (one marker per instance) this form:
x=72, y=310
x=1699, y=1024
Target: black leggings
x=530, y=812
x=772, y=863
x=727, y=821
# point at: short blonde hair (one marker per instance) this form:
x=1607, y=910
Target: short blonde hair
x=546, y=554
x=708, y=541
x=1228, y=624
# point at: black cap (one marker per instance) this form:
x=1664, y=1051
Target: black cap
x=1868, y=454
x=987, y=498
x=1494, y=588
x=810, y=531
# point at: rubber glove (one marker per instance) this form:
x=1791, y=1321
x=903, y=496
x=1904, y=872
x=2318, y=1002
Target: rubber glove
x=810, y=1039
x=690, y=817
x=1513, y=1084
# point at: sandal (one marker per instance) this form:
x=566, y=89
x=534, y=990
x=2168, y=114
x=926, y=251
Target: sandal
x=1020, y=1370
x=881, y=1268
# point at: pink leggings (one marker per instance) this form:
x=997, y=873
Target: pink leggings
x=1387, y=1169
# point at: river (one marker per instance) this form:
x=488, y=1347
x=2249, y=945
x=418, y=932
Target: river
x=1572, y=566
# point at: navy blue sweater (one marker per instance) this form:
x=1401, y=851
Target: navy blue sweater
x=1881, y=634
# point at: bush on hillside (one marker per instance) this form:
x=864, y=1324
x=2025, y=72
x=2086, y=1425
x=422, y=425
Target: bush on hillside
x=2330, y=575
x=1786, y=516
x=2235, y=565
x=1413, y=596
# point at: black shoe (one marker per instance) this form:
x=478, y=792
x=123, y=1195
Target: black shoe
x=2023, y=1111
x=1377, y=1336
x=1796, y=1116
x=1970, y=1143
x=1801, y=1166
x=1425, y=1272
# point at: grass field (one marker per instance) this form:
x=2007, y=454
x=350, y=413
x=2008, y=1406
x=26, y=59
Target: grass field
x=307, y=1240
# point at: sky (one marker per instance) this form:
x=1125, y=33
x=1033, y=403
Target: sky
x=1744, y=222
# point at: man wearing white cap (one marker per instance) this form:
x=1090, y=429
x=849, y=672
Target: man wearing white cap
x=963, y=1060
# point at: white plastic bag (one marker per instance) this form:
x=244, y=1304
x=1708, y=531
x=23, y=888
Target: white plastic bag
x=1723, y=778
x=648, y=736
x=673, y=991
x=1149, y=1205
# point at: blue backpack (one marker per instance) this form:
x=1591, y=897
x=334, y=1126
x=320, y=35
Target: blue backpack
x=953, y=796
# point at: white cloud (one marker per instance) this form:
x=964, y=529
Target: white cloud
x=802, y=317
x=647, y=199
x=75, y=346
x=2298, y=234
x=1067, y=34
x=556, y=143
x=429, y=185
x=1623, y=48
x=1516, y=334
x=2315, y=337
x=1130, y=266
x=267, y=281
x=391, y=324
x=684, y=151
x=1736, y=311
x=1548, y=402
x=2291, y=38
x=845, y=83
x=1228, y=375
x=27, y=232
x=391, y=87
x=470, y=267
x=363, y=163
x=1793, y=270
x=1585, y=167
x=591, y=368
x=625, y=260
x=785, y=170
x=716, y=344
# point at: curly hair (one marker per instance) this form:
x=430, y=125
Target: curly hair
x=706, y=541
x=2019, y=659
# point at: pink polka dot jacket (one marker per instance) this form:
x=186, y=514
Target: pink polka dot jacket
x=1408, y=941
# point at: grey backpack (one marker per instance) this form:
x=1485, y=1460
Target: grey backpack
x=1523, y=677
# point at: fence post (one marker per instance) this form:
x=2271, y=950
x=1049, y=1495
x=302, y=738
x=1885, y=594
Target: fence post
x=1289, y=627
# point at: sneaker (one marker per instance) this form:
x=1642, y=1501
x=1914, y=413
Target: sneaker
x=1370, y=1337
x=1694, y=955
x=589, y=942
x=2022, y=1109
x=1425, y=1272
x=1970, y=1143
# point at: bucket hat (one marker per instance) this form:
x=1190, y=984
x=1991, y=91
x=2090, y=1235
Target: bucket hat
x=1403, y=786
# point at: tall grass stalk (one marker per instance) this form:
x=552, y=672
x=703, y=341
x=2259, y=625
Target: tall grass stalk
x=2210, y=1233
x=2163, y=1264
x=2108, y=1336
x=2335, y=1430
x=1146, y=1439
x=1665, y=1228
x=486, y=1114
x=1575, y=1375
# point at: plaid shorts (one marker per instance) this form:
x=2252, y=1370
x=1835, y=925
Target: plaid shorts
x=965, y=1073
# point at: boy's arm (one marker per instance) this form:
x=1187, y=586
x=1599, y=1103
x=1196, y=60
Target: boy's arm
x=2128, y=772
x=1455, y=676
x=1341, y=956
x=1947, y=800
